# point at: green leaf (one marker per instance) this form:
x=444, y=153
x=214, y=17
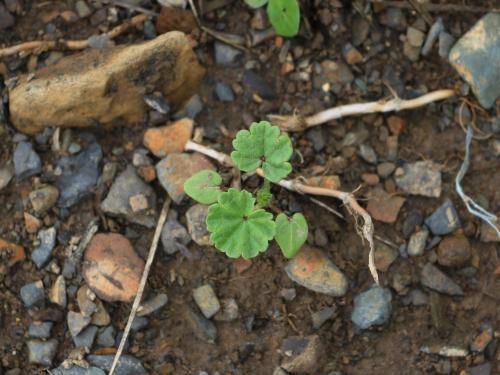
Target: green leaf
x=256, y=3
x=291, y=233
x=237, y=228
x=204, y=186
x=263, y=146
x=284, y=16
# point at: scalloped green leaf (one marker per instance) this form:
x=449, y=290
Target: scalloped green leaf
x=284, y=16
x=237, y=228
x=264, y=146
x=291, y=233
x=256, y=3
x=204, y=186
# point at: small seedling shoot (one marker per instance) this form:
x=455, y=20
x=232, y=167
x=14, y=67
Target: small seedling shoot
x=284, y=15
x=238, y=221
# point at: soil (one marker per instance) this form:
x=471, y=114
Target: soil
x=168, y=346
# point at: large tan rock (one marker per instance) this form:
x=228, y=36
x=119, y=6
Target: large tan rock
x=104, y=87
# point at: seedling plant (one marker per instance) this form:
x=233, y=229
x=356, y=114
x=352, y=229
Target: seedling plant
x=283, y=14
x=238, y=221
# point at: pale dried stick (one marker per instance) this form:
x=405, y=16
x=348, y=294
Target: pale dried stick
x=142, y=284
x=296, y=122
x=45, y=45
x=348, y=199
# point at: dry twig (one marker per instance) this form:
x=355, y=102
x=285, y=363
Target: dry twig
x=142, y=284
x=45, y=45
x=365, y=229
x=296, y=122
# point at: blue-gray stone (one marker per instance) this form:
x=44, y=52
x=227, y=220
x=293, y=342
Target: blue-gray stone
x=42, y=352
x=106, y=337
x=76, y=370
x=202, y=328
x=43, y=253
x=227, y=56
x=85, y=339
x=40, y=330
x=372, y=307
x=26, y=161
x=80, y=173
x=255, y=84
x=127, y=365
x=436, y=28
x=444, y=220
x=149, y=30
x=476, y=57
x=32, y=293
x=224, y=92
x=140, y=322
x=174, y=235
x=193, y=107
x=433, y=278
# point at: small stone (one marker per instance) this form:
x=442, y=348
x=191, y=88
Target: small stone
x=202, y=328
x=416, y=245
x=384, y=207
x=322, y=316
x=32, y=293
x=454, y=251
x=436, y=28
x=10, y=252
x=360, y=29
x=101, y=316
x=384, y=256
x=82, y=9
x=174, y=235
x=86, y=300
x=415, y=37
x=444, y=220
x=127, y=364
x=320, y=237
x=158, y=103
x=112, y=269
x=413, y=53
x=446, y=41
x=370, y=179
x=224, y=92
x=396, y=124
x=433, y=278
x=311, y=269
x=416, y=297
x=412, y=221
x=31, y=223
x=168, y=139
x=475, y=57
x=242, y=264
x=86, y=338
x=207, y=301
x=482, y=340
x=42, y=254
x=100, y=41
x=27, y=163
x=288, y=294
x=40, y=330
x=57, y=293
x=6, y=19
x=327, y=182
x=368, y=153
x=5, y=177
x=153, y=304
x=256, y=84
x=488, y=234
x=351, y=54
x=77, y=322
x=420, y=178
x=229, y=311
x=176, y=168
x=42, y=352
x=139, y=323
x=196, y=217
x=333, y=72
x=121, y=197
x=394, y=18
x=372, y=307
x=385, y=169
x=147, y=173
x=193, y=106
x=106, y=337
x=227, y=56
x=483, y=369
x=317, y=138
x=302, y=354
x=44, y=198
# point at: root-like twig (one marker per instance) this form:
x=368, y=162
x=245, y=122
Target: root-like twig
x=297, y=122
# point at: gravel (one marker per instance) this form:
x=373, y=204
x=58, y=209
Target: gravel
x=372, y=307
x=27, y=163
x=42, y=254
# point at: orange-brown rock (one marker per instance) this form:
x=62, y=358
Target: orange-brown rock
x=112, y=268
x=105, y=87
x=327, y=182
x=10, y=253
x=168, y=139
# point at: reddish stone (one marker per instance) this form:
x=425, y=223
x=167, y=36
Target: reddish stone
x=384, y=207
x=370, y=178
x=396, y=124
x=168, y=139
x=241, y=264
x=11, y=253
x=147, y=173
x=31, y=223
x=482, y=340
x=172, y=18
x=454, y=251
x=327, y=182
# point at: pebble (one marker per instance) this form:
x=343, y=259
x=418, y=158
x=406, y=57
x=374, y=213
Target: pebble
x=227, y=56
x=482, y=340
x=153, y=304
x=372, y=307
x=394, y=18
x=106, y=338
x=384, y=207
x=77, y=322
x=436, y=28
x=416, y=245
x=42, y=254
x=57, y=293
x=196, y=217
x=385, y=169
x=86, y=338
x=149, y=30
x=40, y=330
x=175, y=169
x=174, y=235
x=488, y=234
x=158, y=103
x=332, y=72
x=302, y=354
x=420, y=178
x=82, y=9
x=80, y=173
x=360, y=28
x=101, y=316
x=139, y=323
x=384, y=256
x=27, y=163
x=317, y=138
x=127, y=365
x=322, y=316
x=454, y=251
x=433, y=278
x=86, y=300
x=168, y=139
x=202, y=328
x=15, y=253
x=446, y=351
x=446, y=41
x=415, y=37
x=475, y=57
x=413, y=53
x=311, y=269
x=416, y=297
x=6, y=19
x=112, y=269
x=288, y=294
x=44, y=198
x=207, y=301
x=368, y=153
x=412, y=221
x=76, y=370
x=229, y=311
x=351, y=54
x=256, y=84
x=32, y=293
x=224, y=92
x=42, y=352
x=121, y=194
x=100, y=41
x=5, y=177
x=193, y=106
x=483, y=369
x=31, y=223
x=444, y=220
